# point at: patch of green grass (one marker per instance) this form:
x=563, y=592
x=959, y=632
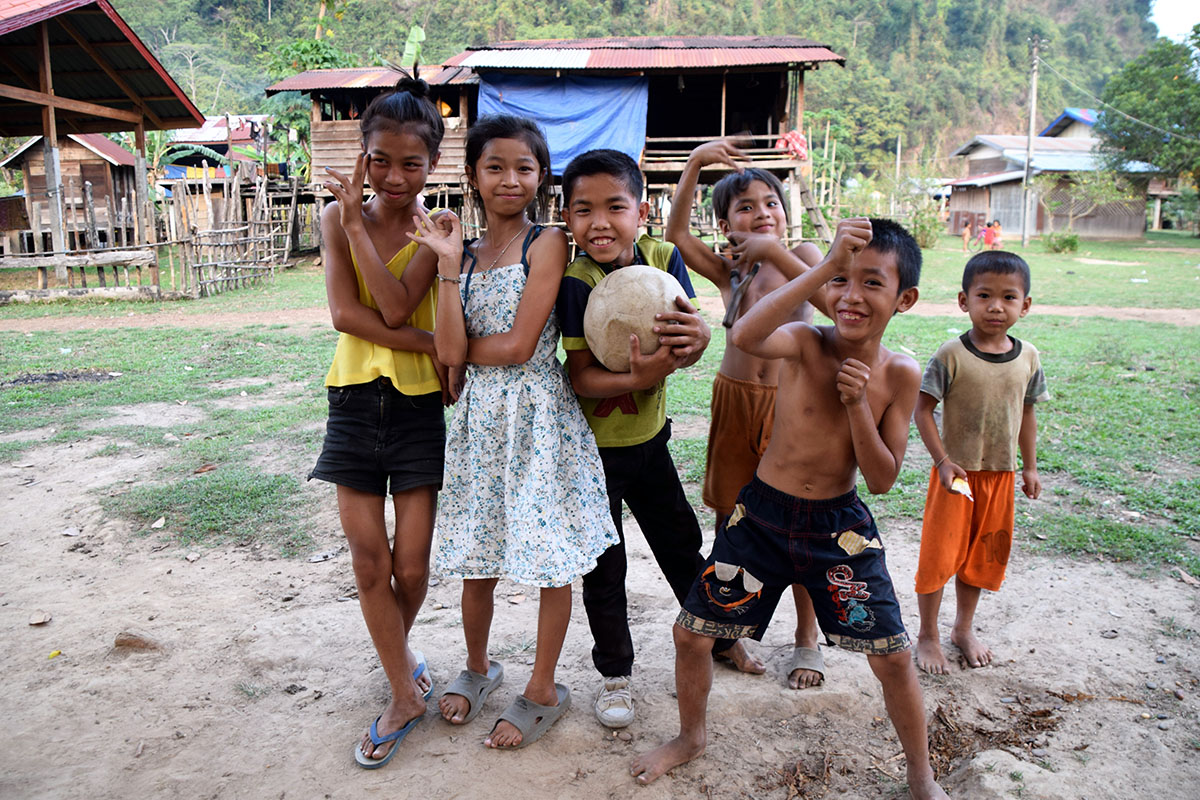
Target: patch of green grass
x=9, y=451
x=229, y=504
x=1078, y=534
x=689, y=457
x=252, y=690
x=1074, y=278
x=302, y=286
x=1175, y=629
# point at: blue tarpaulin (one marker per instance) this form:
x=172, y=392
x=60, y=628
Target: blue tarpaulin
x=578, y=113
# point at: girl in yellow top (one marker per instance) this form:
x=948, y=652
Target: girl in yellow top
x=385, y=429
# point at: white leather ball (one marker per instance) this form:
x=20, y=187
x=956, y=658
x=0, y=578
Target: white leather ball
x=624, y=302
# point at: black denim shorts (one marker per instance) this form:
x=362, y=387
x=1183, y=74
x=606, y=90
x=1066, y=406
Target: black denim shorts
x=378, y=437
x=773, y=540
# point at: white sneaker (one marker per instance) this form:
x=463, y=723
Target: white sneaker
x=614, y=704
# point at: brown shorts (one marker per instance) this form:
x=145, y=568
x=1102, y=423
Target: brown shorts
x=742, y=415
x=970, y=539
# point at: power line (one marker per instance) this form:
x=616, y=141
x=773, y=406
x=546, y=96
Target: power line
x=1129, y=117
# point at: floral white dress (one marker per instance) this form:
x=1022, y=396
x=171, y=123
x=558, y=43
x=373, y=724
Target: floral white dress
x=523, y=494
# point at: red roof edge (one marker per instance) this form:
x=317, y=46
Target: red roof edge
x=27, y=18
x=112, y=14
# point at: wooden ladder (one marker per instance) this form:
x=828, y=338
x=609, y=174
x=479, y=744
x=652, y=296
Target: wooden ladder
x=814, y=211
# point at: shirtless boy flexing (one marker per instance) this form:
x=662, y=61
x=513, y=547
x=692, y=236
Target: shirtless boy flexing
x=849, y=402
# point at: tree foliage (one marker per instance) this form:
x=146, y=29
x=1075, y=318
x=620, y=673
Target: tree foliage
x=1162, y=88
x=1078, y=194
x=933, y=71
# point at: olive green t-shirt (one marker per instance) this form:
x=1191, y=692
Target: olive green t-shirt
x=983, y=397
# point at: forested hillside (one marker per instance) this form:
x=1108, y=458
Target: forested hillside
x=934, y=71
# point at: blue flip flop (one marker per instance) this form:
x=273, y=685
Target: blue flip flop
x=421, y=669
x=398, y=736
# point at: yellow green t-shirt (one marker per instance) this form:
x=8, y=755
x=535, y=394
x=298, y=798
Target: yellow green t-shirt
x=359, y=361
x=633, y=417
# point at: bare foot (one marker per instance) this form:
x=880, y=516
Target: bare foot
x=454, y=708
x=978, y=654
x=930, y=656
x=504, y=734
x=922, y=786
x=741, y=659
x=804, y=678
x=648, y=767
x=394, y=717
x=426, y=680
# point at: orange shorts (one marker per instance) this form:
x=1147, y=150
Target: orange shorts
x=742, y=415
x=969, y=539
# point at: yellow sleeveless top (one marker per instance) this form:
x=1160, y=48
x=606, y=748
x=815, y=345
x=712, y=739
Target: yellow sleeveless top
x=359, y=361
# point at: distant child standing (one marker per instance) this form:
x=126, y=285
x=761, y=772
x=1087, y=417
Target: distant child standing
x=524, y=491
x=997, y=235
x=989, y=236
x=603, y=207
x=988, y=383
x=385, y=431
x=748, y=203
x=966, y=234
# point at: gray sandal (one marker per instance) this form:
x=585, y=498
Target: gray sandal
x=475, y=688
x=533, y=719
x=808, y=658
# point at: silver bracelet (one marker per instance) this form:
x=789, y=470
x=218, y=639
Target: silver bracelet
x=442, y=277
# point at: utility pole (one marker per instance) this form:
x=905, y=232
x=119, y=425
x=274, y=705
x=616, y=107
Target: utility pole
x=1033, y=78
x=896, y=189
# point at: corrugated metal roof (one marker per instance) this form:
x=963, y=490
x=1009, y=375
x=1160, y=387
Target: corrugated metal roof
x=98, y=143
x=17, y=14
x=651, y=43
x=1085, y=115
x=368, y=77
x=527, y=59
x=641, y=59
x=105, y=147
x=990, y=178
x=647, y=53
x=86, y=30
x=214, y=130
x=1041, y=144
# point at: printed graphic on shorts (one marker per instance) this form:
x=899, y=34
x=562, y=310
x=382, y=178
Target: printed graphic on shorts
x=996, y=545
x=731, y=590
x=849, y=598
x=713, y=629
x=854, y=543
x=739, y=511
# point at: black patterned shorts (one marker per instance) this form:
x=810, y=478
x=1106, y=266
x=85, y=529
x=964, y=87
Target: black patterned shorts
x=772, y=540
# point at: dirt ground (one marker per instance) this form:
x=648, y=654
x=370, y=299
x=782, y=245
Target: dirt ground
x=261, y=676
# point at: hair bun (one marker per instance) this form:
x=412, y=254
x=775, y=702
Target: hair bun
x=414, y=86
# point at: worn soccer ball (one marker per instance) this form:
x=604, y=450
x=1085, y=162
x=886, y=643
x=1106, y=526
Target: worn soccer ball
x=625, y=303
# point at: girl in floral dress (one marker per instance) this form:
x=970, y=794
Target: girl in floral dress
x=523, y=494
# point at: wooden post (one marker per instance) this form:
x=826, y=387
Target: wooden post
x=50, y=145
x=123, y=218
x=138, y=206
x=230, y=180
x=35, y=225
x=89, y=209
x=799, y=124
x=70, y=229
x=109, y=237
x=724, y=78
x=293, y=221
x=211, y=223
